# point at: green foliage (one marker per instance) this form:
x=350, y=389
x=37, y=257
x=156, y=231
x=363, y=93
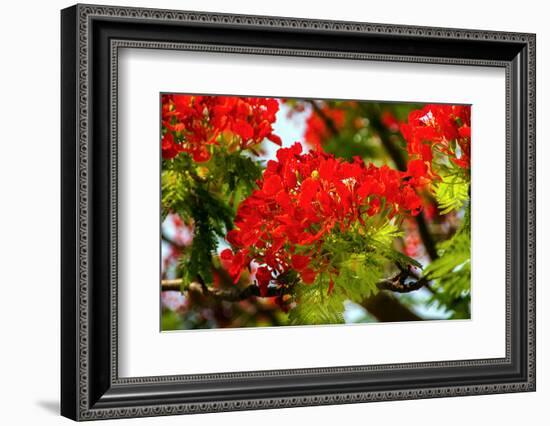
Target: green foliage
x=240, y=170
x=206, y=195
x=359, y=275
x=235, y=175
x=175, y=188
x=353, y=143
x=230, y=175
x=361, y=257
x=450, y=273
x=315, y=306
x=212, y=219
x=452, y=193
x=170, y=321
x=360, y=136
x=190, y=195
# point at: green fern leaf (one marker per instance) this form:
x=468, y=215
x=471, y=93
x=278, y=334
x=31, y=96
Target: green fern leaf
x=451, y=272
x=358, y=276
x=314, y=306
x=452, y=193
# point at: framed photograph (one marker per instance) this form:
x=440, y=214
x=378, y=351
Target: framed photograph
x=263, y=212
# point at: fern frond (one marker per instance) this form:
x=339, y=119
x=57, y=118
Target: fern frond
x=451, y=272
x=314, y=306
x=451, y=193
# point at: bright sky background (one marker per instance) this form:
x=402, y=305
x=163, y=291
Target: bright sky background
x=290, y=130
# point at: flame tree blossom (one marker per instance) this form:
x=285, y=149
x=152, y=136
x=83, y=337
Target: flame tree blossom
x=302, y=200
x=193, y=124
x=437, y=130
x=438, y=141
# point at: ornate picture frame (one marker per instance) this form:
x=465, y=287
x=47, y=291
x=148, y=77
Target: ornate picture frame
x=91, y=38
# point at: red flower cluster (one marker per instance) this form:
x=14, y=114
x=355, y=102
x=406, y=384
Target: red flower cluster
x=192, y=123
x=317, y=130
x=439, y=128
x=301, y=199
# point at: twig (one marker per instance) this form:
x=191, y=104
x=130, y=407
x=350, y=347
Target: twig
x=399, y=284
x=171, y=285
x=231, y=295
x=426, y=236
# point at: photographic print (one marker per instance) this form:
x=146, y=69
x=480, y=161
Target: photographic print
x=287, y=212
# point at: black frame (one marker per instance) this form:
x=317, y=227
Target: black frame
x=91, y=37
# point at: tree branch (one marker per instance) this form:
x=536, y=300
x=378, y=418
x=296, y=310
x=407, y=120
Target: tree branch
x=386, y=308
x=234, y=294
x=401, y=283
x=426, y=236
x=171, y=285
x=172, y=242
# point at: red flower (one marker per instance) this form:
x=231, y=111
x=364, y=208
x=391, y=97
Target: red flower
x=243, y=129
x=299, y=262
x=302, y=198
x=444, y=129
x=234, y=263
x=193, y=123
x=418, y=170
x=169, y=148
x=308, y=275
x=263, y=277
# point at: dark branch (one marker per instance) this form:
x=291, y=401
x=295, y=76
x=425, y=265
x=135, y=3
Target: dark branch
x=426, y=236
x=170, y=285
x=401, y=283
x=383, y=305
x=172, y=242
x=404, y=282
x=386, y=308
x=235, y=294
